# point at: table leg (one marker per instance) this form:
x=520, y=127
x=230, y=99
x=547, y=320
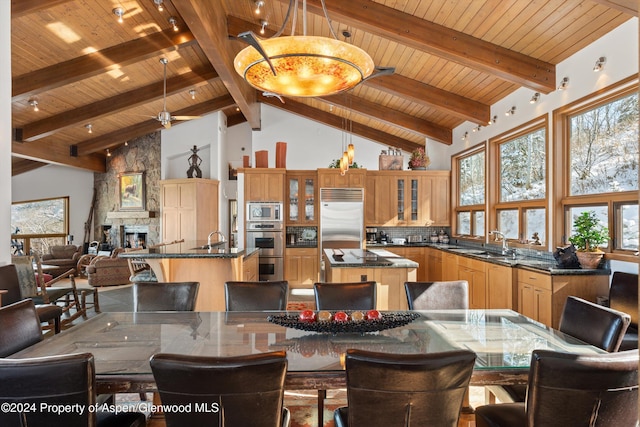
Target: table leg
x=322, y=394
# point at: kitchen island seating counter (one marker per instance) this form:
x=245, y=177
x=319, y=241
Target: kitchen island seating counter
x=122, y=344
x=195, y=261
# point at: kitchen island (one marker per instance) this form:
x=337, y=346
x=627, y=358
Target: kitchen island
x=389, y=270
x=196, y=262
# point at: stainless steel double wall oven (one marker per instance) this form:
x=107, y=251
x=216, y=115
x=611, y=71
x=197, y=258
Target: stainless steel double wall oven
x=265, y=229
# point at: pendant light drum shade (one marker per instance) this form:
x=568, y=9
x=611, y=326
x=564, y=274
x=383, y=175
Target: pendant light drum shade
x=306, y=66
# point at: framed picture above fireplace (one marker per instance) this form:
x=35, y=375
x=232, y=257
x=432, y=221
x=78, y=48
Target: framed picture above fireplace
x=132, y=191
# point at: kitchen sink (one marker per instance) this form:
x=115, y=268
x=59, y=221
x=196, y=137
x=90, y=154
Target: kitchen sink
x=469, y=251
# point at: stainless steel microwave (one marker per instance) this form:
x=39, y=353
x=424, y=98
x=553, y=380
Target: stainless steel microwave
x=264, y=211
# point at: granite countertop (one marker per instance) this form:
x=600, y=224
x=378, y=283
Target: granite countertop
x=197, y=249
x=360, y=258
x=528, y=263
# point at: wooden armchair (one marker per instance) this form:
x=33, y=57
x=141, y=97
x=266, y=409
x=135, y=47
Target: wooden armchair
x=42, y=292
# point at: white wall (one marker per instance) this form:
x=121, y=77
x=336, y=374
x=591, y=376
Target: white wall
x=5, y=130
x=58, y=181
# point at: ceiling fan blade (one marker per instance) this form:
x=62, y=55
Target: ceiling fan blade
x=185, y=117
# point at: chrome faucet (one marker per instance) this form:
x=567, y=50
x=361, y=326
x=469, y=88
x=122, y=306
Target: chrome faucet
x=222, y=239
x=505, y=245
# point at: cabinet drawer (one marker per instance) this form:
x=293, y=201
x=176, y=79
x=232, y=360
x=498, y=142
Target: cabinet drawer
x=536, y=279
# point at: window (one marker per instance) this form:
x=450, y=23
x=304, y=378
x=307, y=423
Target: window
x=38, y=224
x=470, y=168
x=518, y=200
x=598, y=145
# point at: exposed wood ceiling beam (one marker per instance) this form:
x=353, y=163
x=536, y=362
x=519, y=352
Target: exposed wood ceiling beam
x=23, y=7
x=118, y=137
x=98, y=62
x=336, y=122
x=114, y=104
x=235, y=119
x=392, y=117
x=430, y=96
x=421, y=93
x=627, y=6
x=57, y=153
x=208, y=22
x=442, y=41
x=19, y=166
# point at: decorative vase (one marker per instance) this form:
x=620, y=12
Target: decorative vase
x=589, y=260
x=421, y=168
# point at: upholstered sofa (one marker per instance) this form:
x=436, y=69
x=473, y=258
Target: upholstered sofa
x=108, y=271
x=64, y=256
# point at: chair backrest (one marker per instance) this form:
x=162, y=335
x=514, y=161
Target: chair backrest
x=437, y=295
x=26, y=276
x=345, y=296
x=56, y=380
x=594, y=324
x=256, y=296
x=238, y=391
x=623, y=295
x=578, y=390
x=10, y=282
x=165, y=296
x=407, y=389
x=19, y=327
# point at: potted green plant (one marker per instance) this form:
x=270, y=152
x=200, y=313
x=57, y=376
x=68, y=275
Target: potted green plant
x=419, y=159
x=588, y=235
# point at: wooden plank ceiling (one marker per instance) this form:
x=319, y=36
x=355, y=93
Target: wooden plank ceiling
x=452, y=60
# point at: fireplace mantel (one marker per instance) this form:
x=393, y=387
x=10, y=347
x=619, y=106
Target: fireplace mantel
x=131, y=214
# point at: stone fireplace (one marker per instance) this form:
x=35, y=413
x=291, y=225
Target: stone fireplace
x=134, y=236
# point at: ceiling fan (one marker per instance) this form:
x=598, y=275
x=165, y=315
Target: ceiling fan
x=164, y=116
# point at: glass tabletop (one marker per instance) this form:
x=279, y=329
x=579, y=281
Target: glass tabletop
x=122, y=343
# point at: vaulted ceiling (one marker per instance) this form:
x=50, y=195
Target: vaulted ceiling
x=452, y=59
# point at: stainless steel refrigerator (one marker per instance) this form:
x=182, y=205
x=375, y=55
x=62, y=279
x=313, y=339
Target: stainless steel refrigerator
x=341, y=219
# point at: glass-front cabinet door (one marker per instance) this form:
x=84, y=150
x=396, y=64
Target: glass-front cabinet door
x=301, y=203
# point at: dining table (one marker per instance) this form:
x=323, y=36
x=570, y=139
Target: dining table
x=123, y=342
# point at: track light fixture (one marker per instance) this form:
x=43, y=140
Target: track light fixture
x=511, y=111
x=477, y=128
x=599, y=64
x=192, y=92
x=535, y=98
x=159, y=5
x=263, y=25
x=89, y=128
x=259, y=5
x=564, y=83
x=126, y=143
x=465, y=136
x=174, y=23
x=493, y=120
x=119, y=12
x=34, y=104
x=108, y=153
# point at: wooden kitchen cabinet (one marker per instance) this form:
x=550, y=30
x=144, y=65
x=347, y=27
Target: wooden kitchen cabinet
x=301, y=267
x=449, y=266
x=331, y=178
x=474, y=272
x=433, y=261
x=416, y=254
x=407, y=198
x=301, y=203
x=542, y=296
x=264, y=185
x=535, y=296
x=500, y=292
x=189, y=208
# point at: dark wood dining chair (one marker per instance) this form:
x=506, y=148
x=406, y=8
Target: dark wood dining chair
x=19, y=327
x=256, y=296
x=165, y=296
x=437, y=295
x=56, y=380
x=345, y=295
x=385, y=389
x=243, y=390
x=49, y=314
x=591, y=323
x=572, y=390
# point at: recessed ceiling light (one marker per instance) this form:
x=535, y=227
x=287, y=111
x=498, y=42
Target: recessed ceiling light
x=119, y=12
